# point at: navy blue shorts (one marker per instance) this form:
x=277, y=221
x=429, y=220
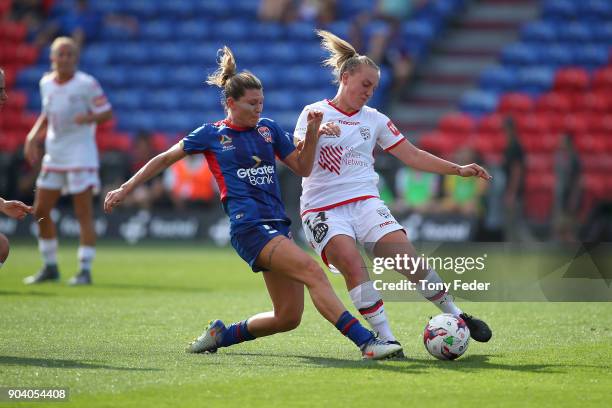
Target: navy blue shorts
x=249, y=243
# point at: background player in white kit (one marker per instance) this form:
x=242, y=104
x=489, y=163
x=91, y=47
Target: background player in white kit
x=340, y=206
x=73, y=103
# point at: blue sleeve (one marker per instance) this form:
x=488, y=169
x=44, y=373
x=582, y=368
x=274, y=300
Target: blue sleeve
x=196, y=141
x=283, y=143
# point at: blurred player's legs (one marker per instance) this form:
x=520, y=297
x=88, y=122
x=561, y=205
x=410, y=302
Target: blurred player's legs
x=44, y=201
x=396, y=243
x=83, y=210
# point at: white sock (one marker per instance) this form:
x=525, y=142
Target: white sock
x=443, y=300
x=86, y=255
x=48, y=250
x=369, y=303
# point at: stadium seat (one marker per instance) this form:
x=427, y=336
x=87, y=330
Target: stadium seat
x=553, y=102
x=535, y=80
x=592, y=56
x=559, y=9
x=576, y=32
x=539, y=31
x=498, y=79
x=512, y=103
x=571, y=80
x=519, y=54
x=478, y=102
x=457, y=125
x=556, y=55
x=602, y=79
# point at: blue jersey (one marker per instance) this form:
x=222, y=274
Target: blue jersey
x=243, y=163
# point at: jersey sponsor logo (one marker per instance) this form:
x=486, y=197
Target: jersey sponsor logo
x=365, y=132
x=393, y=129
x=226, y=142
x=264, y=131
x=257, y=175
x=384, y=224
x=330, y=158
x=347, y=122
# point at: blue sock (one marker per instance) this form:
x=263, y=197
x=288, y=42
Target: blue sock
x=351, y=328
x=236, y=333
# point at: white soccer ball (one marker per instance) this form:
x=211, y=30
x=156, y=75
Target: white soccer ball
x=446, y=337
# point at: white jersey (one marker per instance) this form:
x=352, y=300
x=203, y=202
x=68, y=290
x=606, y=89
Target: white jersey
x=70, y=146
x=344, y=165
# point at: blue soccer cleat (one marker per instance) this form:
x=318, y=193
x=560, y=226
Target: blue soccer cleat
x=209, y=341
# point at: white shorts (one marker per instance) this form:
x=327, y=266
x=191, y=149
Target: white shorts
x=70, y=181
x=365, y=221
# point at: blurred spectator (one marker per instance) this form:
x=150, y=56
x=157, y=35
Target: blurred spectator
x=151, y=192
x=281, y=11
x=567, y=190
x=190, y=183
x=514, y=167
x=378, y=33
x=320, y=12
x=464, y=195
x=31, y=12
x=77, y=20
x=417, y=190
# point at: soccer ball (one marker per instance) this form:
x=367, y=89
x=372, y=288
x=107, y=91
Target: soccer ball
x=446, y=336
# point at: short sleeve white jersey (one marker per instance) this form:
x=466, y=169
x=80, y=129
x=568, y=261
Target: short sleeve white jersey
x=70, y=146
x=344, y=165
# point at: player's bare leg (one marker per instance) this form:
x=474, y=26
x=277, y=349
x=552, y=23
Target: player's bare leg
x=44, y=201
x=397, y=242
x=83, y=211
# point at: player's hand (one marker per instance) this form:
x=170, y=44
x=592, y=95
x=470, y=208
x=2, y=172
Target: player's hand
x=314, y=119
x=15, y=209
x=82, y=119
x=113, y=198
x=474, y=170
x=329, y=128
x=32, y=152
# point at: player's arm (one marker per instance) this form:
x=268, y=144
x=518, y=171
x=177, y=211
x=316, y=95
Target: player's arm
x=302, y=159
x=419, y=159
x=92, y=117
x=153, y=167
x=32, y=149
x=14, y=208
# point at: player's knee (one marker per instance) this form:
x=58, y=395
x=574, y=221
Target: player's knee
x=352, y=267
x=4, y=248
x=289, y=322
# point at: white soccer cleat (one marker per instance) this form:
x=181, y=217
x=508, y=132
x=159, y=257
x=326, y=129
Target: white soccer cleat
x=208, y=341
x=377, y=349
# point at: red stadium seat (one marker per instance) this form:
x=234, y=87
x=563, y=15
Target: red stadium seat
x=515, y=103
x=602, y=79
x=554, y=102
x=571, y=80
x=457, y=125
x=601, y=124
x=577, y=124
x=531, y=125
x=12, y=32
x=492, y=123
x=597, y=102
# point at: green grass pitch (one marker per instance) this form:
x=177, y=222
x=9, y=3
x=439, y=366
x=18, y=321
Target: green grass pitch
x=121, y=342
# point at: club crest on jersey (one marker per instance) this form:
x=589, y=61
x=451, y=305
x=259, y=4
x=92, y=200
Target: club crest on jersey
x=264, y=131
x=226, y=142
x=365, y=132
x=383, y=212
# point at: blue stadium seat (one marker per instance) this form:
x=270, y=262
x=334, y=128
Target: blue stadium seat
x=186, y=76
x=280, y=100
x=265, y=31
x=136, y=120
x=301, y=31
x=519, y=54
x=602, y=33
x=420, y=31
x=166, y=99
x=576, y=32
x=143, y=9
x=171, y=53
x=125, y=100
x=148, y=77
x=195, y=30
x=96, y=54
x=30, y=77
x=478, y=103
x=283, y=53
x=177, y=9
x=132, y=53
x=498, y=79
x=595, y=9
x=269, y=76
x=232, y=30
x=556, y=55
x=535, y=80
x=158, y=30
x=559, y=9
x=592, y=56
x=539, y=31
x=246, y=53
x=200, y=98
x=112, y=76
